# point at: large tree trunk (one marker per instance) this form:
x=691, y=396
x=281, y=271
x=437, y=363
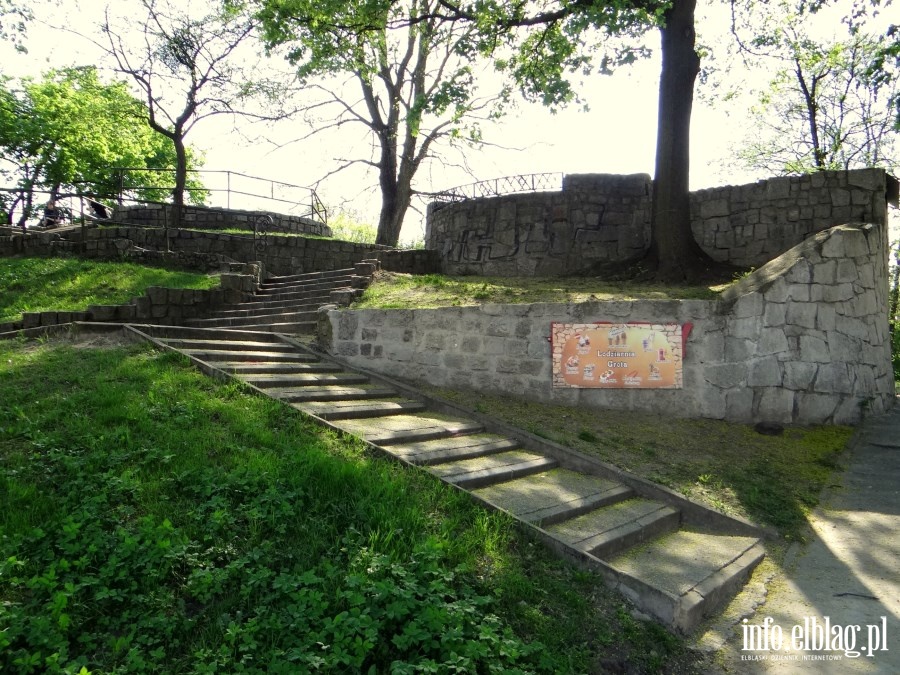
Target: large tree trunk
x=180, y=179
x=672, y=246
x=388, y=224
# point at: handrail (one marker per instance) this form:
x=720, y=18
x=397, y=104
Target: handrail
x=496, y=187
x=304, y=198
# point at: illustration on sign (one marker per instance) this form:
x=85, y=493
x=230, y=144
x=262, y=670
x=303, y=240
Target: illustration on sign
x=618, y=355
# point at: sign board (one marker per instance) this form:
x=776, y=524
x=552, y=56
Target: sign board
x=618, y=355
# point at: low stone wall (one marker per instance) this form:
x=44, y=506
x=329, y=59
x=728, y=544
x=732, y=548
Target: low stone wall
x=209, y=218
x=802, y=340
x=206, y=251
x=158, y=305
x=598, y=219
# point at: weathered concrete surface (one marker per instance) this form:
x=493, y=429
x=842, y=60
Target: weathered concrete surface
x=849, y=572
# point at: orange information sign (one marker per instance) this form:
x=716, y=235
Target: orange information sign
x=618, y=355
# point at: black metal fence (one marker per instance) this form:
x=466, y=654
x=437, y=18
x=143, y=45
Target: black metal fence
x=495, y=187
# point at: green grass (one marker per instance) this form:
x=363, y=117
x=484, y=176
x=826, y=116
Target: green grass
x=153, y=520
x=69, y=284
x=404, y=291
x=772, y=480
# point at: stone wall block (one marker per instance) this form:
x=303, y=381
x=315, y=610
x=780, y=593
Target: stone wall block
x=814, y=350
x=799, y=375
x=815, y=408
x=727, y=375
x=739, y=349
x=348, y=323
x=776, y=405
x=775, y=314
x=772, y=341
x=739, y=404
x=750, y=305
x=765, y=372
x=801, y=314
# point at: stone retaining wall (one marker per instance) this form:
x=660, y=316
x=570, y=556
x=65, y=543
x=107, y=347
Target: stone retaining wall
x=802, y=340
x=210, y=218
x=158, y=305
x=598, y=219
x=204, y=251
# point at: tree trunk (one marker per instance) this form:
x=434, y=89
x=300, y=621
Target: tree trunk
x=673, y=249
x=180, y=179
x=388, y=225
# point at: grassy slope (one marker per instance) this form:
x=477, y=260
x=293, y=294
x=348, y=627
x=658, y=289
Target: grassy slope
x=45, y=284
x=393, y=290
x=154, y=520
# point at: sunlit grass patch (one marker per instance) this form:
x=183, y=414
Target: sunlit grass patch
x=71, y=284
x=393, y=290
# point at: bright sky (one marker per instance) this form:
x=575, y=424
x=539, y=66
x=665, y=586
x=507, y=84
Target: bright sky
x=617, y=135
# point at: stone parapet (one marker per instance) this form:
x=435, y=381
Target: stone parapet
x=211, y=218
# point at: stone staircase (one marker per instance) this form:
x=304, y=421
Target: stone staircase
x=288, y=304
x=675, y=559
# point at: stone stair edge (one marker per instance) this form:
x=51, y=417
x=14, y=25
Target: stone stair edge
x=695, y=513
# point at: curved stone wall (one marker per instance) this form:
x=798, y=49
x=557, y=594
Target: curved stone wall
x=599, y=218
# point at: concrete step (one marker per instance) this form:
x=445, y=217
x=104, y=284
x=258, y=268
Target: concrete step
x=232, y=355
x=358, y=410
x=493, y=468
x=304, y=284
x=198, y=333
x=294, y=296
x=387, y=431
x=361, y=392
x=440, y=450
x=253, y=319
x=266, y=309
x=238, y=368
x=302, y=328
x=606, y=531
x=308, y=276
x=686, y=575
x=553, y=496
x=314, y=300
x=235, y=345
x=312, y=378
x=282, y=380
x=301, y=289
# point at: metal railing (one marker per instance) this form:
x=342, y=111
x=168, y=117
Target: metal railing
x=225, y=189
x=496, y=187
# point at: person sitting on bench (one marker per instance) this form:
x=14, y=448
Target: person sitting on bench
x=52, y=215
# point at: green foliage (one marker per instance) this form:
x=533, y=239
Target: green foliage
x=347, y=227
x=415, y=74
x=69, y=131
x=828, y=104
x=154, y=520
x=14, y=16
x=69, y=284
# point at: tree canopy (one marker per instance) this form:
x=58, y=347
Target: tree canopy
x=412, y=84
x=69, y=131
x=187, y=63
